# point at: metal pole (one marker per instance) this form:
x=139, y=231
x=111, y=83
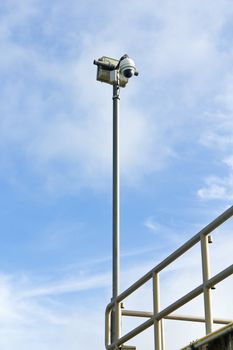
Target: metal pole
x=207, y=290
x=156, y=307
x=115, y=329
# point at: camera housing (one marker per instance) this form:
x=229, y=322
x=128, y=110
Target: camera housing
x=107, y=69
x=112, y=71
x=127, y=67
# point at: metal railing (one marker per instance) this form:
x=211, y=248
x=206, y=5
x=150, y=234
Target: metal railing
x=155, y=318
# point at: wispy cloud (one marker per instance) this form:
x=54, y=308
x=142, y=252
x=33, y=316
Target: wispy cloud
x=70, y=286
x=56, y=127
x=220, y=139
x=217, y=188
x=60, y=118
x=36, y=323
x=151, y=225
x=37, y=317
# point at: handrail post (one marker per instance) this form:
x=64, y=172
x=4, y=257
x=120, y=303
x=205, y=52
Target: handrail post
x=117, y=322
x=156, y=307
x=108, y=313
x=206, y=290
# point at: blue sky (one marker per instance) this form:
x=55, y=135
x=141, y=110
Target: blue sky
x=55, y=154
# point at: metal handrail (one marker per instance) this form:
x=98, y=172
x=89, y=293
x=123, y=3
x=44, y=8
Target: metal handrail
x=153, y=274
x=176, y=317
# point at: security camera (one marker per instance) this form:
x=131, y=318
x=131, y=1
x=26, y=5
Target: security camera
x=115, y=72
x=127, y=67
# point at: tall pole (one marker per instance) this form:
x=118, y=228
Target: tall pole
x=116, y=213
x=116, y=73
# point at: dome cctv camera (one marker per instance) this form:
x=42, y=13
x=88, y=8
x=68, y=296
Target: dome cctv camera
x=127, y=67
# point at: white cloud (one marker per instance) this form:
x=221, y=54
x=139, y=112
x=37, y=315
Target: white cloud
x=218, y=132
x=219, y=187
x=57, y=120
x=151, y=224
x=64, y=131
x=218, y=136
x=70, y=286
x=44, y=324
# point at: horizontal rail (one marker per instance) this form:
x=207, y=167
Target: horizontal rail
x=133, y=313
x=148, y=314
x=196, y=319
